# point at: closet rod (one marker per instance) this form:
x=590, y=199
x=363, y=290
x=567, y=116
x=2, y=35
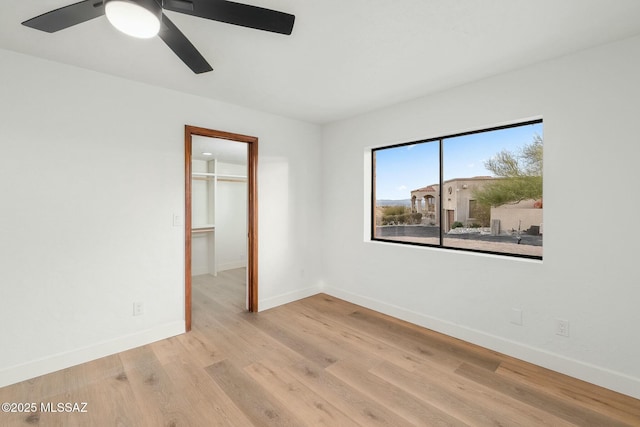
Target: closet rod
x=203, y=230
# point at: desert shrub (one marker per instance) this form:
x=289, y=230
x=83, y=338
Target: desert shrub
x=404, y=219
x=399, y=215
x=389, y=219
x=393, y=210
x=457, y=224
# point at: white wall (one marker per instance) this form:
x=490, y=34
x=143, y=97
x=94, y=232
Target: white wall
x=589, y=275
x=231, y=225
x=231, y=218
x=91, y=174
x=202, y=250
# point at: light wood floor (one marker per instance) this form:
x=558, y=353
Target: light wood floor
x=316, y=362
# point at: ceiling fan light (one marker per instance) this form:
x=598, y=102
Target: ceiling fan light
x=137, y=18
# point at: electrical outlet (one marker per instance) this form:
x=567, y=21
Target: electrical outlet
x=562, y=327
x=138, y=308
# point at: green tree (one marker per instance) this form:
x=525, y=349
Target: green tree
x=394, y=210
x=520, y=176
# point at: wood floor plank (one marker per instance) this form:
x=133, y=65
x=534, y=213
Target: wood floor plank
x=158, y=398
x=425, y=340
x=329, y=305
x=65, y=380
x=200, y=347
x=257, y=404
x=88, y=382
x=343, y=341
x=537, y=398
x=368, y=344
x=167, y=350
x=351, y=402
x=243, y=343
x=412, y=338
x=224, y=288
x=110, y=388
x=466, y=400
x=572, y=390
x=406, y=405
x=109, y=403
x=208, y=401
x=296, y=396
x=296, y=338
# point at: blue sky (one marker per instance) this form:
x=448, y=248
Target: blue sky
x=402, y=169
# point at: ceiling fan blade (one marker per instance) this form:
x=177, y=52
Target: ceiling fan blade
x=235, y=13
x=67, y=16
x=182, y=47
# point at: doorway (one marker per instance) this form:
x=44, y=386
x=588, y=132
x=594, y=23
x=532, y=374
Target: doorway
x=251, y=143
x=450, y=219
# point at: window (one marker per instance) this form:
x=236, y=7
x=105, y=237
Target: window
x=491, y=198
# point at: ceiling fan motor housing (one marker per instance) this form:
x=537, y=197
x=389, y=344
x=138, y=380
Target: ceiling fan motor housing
x=134, y=17
x=154, y=6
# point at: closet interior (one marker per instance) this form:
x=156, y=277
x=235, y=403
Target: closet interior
x=219, y=205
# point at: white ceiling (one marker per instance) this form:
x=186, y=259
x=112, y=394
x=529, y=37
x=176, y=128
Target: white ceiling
x=222, y=150
x=345, y=57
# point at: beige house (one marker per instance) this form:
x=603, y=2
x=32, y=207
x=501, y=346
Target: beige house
x=459, y=205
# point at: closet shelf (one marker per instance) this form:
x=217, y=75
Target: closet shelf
x=225, y=175
x=218, y=175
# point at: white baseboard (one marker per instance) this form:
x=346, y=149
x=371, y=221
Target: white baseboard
x=231, y=265
x=56, y=362
x=267, y=303
x=598, y=375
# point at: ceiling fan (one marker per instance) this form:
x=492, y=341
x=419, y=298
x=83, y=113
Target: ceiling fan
x=145, y=19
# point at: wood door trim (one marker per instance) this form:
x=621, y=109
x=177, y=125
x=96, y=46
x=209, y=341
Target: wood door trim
x=252, y=207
